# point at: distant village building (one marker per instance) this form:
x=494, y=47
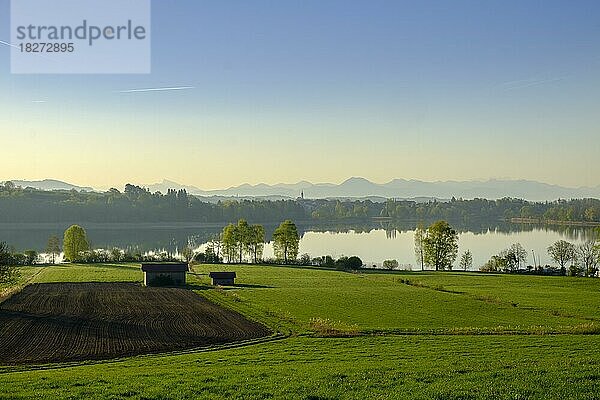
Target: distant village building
x=222, y=278
x=164, y=274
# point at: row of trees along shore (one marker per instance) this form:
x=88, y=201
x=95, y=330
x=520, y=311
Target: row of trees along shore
x=238, y=243
x=138, y=204
x=436, y=247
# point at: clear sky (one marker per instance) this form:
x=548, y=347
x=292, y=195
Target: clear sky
x=323, y=90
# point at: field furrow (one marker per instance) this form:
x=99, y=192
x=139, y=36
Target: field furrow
x=60, y=322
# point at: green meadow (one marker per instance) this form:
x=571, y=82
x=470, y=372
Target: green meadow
x=357, y=335
x=418, y=302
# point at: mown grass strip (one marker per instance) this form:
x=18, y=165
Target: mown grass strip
x=26, y=276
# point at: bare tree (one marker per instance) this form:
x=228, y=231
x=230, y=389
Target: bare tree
x=420, y=246
x=53, y=247
x=466, y=260
x=216, y=243
x=563, y=252
x=187, y=253
x=588, y=254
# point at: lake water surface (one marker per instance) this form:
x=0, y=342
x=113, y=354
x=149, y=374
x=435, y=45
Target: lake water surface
x=372, y=242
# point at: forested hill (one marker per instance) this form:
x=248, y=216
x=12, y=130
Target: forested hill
x=136, y=204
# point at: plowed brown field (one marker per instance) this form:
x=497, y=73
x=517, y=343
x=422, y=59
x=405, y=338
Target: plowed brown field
x=60, y=322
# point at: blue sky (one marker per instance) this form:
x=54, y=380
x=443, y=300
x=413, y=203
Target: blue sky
x=292, y=90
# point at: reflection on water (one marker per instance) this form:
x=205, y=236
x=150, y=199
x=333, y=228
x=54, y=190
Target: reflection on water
x=373, y=242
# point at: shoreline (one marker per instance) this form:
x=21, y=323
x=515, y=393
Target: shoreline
x=552, y=222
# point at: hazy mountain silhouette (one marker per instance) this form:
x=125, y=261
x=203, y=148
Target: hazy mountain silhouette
x=397, y=188
x=357, y=187
x=50, y=184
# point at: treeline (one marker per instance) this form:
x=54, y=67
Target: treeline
x=579, y=210
x=137, y=204
x=570, y=259
x=134, y=204
x=437, y=247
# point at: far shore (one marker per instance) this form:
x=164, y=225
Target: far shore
x=552, y=222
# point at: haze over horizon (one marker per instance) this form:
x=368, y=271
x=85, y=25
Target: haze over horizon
x=285, y=92
x=357, y=187
x=350, y=178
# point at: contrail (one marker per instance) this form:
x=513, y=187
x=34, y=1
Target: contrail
x=38, y=101
x=36, y=54
x=9, y=44
x=525, y=83
x=159, y=89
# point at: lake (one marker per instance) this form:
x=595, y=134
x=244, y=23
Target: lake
x=372, y=242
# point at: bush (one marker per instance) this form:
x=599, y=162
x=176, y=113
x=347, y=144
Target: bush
x=18, y=259
x=30, y=257
x=495, y=264
x=348, y=263
x=304, y=259
x=207, y=258
x=390, y=264
x=355, y=262
x=325, y=261
x=132, y=257
x=7, y=270
x=117, y=255
x=94, y=256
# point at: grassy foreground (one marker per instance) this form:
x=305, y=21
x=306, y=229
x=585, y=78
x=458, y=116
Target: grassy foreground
x=399, y=367
x=450, y=353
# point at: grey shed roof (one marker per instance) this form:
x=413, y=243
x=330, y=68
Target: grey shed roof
x=164, y=267
x=222, y=275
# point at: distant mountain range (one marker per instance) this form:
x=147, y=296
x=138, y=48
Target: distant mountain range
x=363, y=188
x=397, y=188
x=51, y=184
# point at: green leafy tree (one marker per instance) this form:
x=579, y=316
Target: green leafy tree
x=239, y=240
x=256, y=244
x=562, y=252
x=243, y=238
x=74, y=242
x=286, y=242
x=53, y=248
x=440, y=245
x=466, y=260
x=229, y=242
x=210, y=256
